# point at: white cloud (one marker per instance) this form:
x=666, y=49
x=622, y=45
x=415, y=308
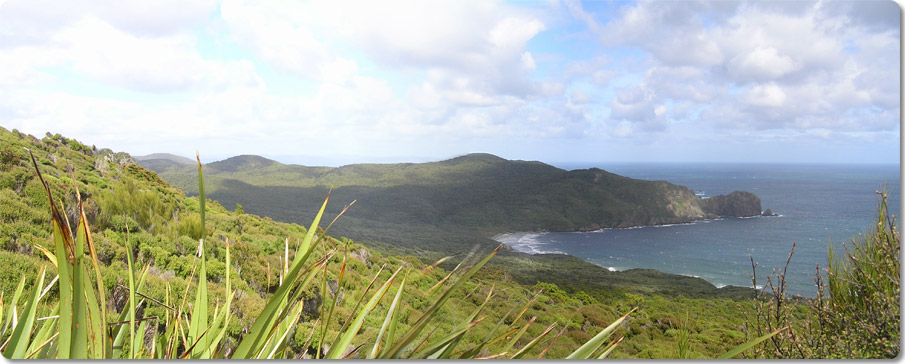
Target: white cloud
x=271, y=31
x=160, y=64
x=33, y=21
x=761, y=64
x=379, y=78
x=579, y=97
x=766, y=95
x=473, y=51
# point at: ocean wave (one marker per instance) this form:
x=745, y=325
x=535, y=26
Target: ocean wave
x=526, y=243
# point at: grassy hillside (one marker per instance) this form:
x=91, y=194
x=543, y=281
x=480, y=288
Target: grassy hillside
x=127, y=205
x=144, y=230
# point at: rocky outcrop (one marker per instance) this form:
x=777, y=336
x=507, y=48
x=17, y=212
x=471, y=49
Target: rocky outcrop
x=735, y=204
x=768, y=212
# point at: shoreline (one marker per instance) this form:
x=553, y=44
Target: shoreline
x=580, y=230
x=501, y=238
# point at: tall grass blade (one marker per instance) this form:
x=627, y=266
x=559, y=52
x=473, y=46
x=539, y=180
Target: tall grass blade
x=212, y=346
x=284, y=321
x=44, y=345
x=518, y=335
x=305, y=246
x=52, y=258
x=132, y=304
x=119, y=337
x=436, y=350
x=257, y=336
x=12, y=318
x=337, y=349
x=751, y=344
x=448, y=349
x=550, y=345
x=339, y=284
x=198, y=323
x=142, y=328
x=79, y=347
x=199, y=319
x=65, y=259
x=440, y=283
x=409, y=337
x=610, y=348
x=586, y=350
x=96, y=302
x=2, y=323
x=521, y=353
x=389, y=321
x=487, y=339
x=358, y=303
x=21, y=336
x=283, y=332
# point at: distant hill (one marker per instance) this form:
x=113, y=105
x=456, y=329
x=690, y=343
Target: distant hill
x=161, y=161
x=178, y=159
x=242, y=162
x=460, y=199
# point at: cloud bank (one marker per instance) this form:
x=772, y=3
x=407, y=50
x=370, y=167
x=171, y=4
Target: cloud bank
x=393, y=80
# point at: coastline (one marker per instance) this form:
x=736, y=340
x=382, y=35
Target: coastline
x=525, y=242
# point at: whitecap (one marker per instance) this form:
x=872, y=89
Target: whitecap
x=525, y=243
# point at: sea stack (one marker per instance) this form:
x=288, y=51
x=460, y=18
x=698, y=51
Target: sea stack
x=735, y=204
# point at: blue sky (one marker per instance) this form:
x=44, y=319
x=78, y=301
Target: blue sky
x=336, y=82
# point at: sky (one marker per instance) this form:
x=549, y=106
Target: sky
x=338, y=82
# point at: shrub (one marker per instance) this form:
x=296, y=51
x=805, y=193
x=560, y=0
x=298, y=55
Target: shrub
x=190, y=226
x=856, y=313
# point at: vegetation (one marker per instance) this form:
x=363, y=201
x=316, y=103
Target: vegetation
x=481, y=193
x=158, y=243
x=77, y=327
x=856, y=313
x=430, y=210
x=185, y=277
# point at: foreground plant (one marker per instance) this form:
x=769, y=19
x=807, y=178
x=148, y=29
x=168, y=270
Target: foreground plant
x=856, y=313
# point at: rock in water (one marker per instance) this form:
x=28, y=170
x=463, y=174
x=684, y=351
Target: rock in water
x=735, y=204
x=768, y=212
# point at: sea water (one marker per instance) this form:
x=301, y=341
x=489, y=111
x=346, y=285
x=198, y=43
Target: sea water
x=819, y=208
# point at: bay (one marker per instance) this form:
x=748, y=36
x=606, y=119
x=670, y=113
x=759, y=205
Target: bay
x=819, y=207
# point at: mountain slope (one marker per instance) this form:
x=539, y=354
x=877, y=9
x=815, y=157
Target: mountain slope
x=476, y=196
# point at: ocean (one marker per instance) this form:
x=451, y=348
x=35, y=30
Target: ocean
x=819, y=207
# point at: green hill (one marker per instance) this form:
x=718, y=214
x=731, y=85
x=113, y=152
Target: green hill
x=176, y=159
x=481, y=194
